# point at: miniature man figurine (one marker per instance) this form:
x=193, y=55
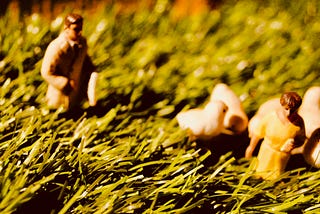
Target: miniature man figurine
x=68, y=69
x=281, y=130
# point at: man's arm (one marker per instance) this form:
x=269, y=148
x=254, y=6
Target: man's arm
x=49, y=69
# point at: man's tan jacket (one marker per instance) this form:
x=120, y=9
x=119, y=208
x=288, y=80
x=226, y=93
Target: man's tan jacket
x=64, y=61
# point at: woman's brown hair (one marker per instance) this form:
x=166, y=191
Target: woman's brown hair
x=291, y=100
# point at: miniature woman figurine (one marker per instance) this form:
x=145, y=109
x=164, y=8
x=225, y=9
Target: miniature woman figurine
x=281, y=130
x=264, y=109
x=68, y=69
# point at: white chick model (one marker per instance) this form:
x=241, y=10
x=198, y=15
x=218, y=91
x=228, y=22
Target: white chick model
x=236, y=120
x=204, y=123
x=310, y=112
x=92, y=89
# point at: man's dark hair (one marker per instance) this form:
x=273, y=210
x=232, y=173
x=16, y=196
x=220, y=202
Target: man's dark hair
x=72, y=18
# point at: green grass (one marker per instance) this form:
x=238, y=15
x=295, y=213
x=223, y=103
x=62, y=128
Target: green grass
x=128, y=155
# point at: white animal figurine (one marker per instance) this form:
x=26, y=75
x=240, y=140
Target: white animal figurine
x=203, y=123
x=236, y=120
x=310, y=112
x=92, y=89
x=311, y=149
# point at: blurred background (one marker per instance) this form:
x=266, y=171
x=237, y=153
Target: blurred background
x=52, y=8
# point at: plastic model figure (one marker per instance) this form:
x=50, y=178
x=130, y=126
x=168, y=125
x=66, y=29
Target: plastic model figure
x=264, y=109
x=281, y=131
x=204, y=123
x=68, y=69
x=236, y=120
x=310, y=112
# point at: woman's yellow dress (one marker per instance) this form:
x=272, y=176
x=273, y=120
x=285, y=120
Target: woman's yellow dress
x=271, y=160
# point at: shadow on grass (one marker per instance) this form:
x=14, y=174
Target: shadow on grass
x=222, y=144
x=142, y=106
x=237, y=144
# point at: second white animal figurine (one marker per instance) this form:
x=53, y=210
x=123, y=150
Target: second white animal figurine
x=204, y=123
x=310, y=112
x=236, y=120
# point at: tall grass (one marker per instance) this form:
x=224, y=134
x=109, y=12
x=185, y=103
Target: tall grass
x=127, y=155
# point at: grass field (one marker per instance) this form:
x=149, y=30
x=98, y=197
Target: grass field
x=127, y=154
